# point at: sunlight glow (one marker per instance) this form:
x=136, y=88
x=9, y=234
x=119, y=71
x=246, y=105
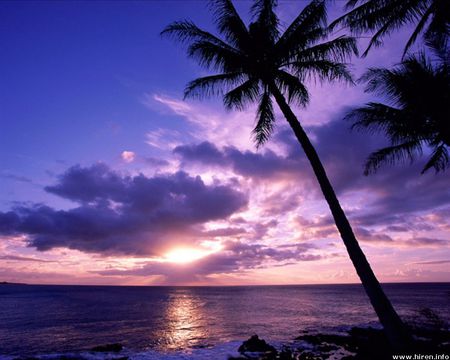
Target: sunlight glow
x=184, y=255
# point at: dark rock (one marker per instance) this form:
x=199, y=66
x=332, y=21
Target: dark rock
x=310, y=356
x=108, y=348
x=255, y=344
x=60, y=357
x=326, y=348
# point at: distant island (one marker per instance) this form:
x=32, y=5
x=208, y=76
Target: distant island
x=11, y=283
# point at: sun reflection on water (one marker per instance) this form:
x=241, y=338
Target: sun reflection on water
x=185, y=321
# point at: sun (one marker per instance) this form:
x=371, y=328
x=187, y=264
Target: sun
x=185, y=255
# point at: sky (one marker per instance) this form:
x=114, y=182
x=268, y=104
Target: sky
x=109, y=177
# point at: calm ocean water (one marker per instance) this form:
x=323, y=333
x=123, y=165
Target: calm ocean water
x=173, y=322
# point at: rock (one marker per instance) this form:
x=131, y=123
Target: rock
x=255, y=344
x=108, y=348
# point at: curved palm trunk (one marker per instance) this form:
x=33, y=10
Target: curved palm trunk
x=394, y=328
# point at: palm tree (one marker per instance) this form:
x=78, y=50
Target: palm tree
x=431, y=19
x=417, y=113
x=258, y=62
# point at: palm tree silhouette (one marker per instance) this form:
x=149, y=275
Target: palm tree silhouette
x=430, y=17
x=258, y=63
x=416, y=115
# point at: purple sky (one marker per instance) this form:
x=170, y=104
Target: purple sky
x=109, y=177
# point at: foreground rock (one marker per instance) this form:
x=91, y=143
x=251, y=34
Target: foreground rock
x=108, y=348
x=255, y=344
x=356, y=344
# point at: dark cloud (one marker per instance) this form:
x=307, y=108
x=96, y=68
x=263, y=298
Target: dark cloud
x=263, y=165
x=397, y=228
x=425, y=241
x=435, y=262
x=23, y=258
x=229, y=231
x=367, y=235
x=152, y=161
x=11, y=176
x=123, y=214
x=204, y=153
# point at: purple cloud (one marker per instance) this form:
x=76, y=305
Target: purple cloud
x=24, y=258
x=395, y=195
x=123, y=214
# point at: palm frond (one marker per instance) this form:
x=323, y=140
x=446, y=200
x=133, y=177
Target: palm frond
x=242, y=95
x=374, y=117
x=392, y=154
x=213, y=85
x=381, y=17
x=416, y=115
x=263, y=12
x=308, y=27
x=323, y=70
x=265, y=120
x=351, y=4
x=384, y=82
x=438, y=32
x=187, y=32
x=372, y=15
x=230, y=24
x=292, y=88
x=392, y=122
x=339, y=49
x=358, y=18
x=376, y=41
x=439, y=159
x=419, y=28
x=216, y=57
x=403, y=84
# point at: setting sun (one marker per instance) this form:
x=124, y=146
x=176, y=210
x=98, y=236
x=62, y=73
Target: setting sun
x=185, y=255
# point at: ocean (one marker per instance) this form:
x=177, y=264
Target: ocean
x=190, y=322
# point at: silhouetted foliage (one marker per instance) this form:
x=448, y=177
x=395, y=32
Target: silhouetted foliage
x=431, y=19
x=250, y=59
x=416, y=115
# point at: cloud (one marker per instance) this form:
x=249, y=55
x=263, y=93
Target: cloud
x=217, y=126
x=425, y=241
x=236, y=256
x=179, y=107
x=204, y=153
x=263, y=165
x=128, y=156
x=123, y=214
x=394, y=196
x=23, y=258
x=11, y=176
x=163, y=139
x=433, y=262
x=363, y=234
x=155, y=162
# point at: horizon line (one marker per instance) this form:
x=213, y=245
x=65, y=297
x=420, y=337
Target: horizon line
x=215, y=285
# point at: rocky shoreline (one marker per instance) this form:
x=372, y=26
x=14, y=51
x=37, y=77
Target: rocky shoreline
x=431, y=337
x=355, y=344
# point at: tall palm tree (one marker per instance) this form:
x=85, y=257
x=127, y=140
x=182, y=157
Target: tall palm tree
x=416, y=115
x=431, y=19
x=258, y=62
